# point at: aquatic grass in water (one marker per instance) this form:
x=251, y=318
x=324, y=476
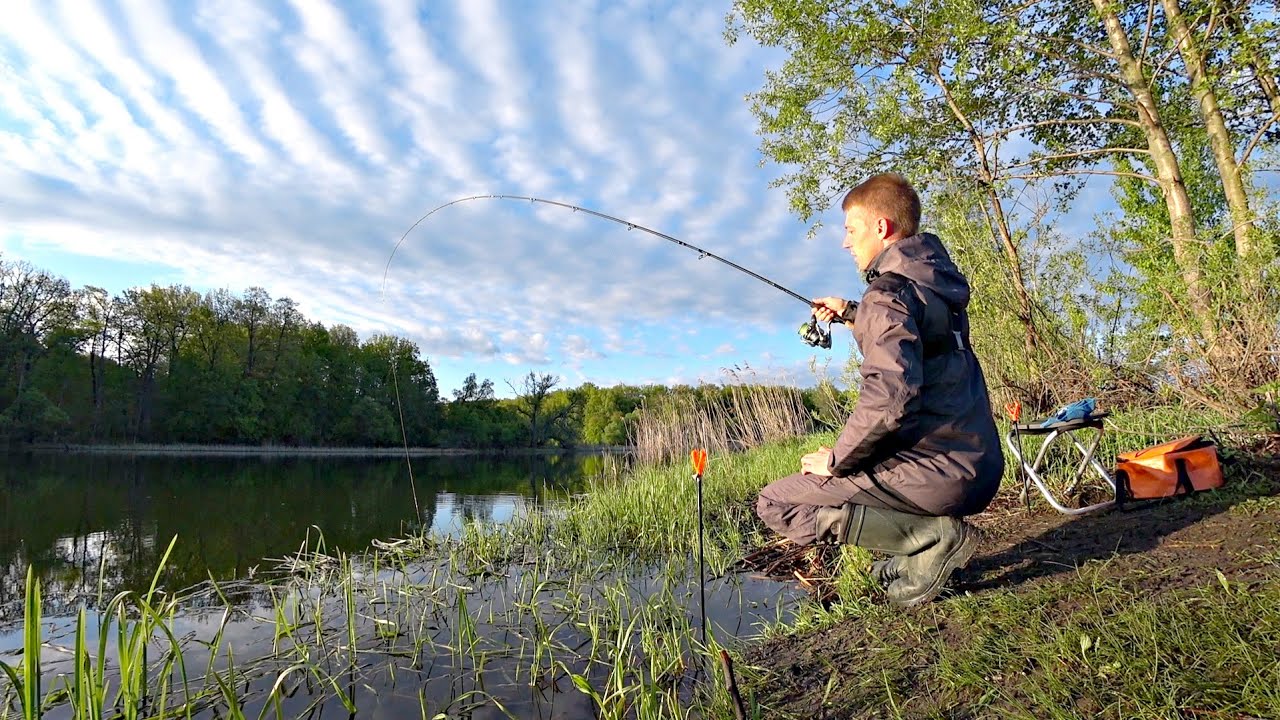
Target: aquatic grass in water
x=137, y=685
x=601, y=588
x=26, y=678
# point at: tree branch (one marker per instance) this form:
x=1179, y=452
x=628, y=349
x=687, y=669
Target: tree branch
x=1005, y=132
x=1257, y=138
x=1067, y=173
x=1146, y=33
x=1045, y=39
x=1083, y=98
x=1078, y=154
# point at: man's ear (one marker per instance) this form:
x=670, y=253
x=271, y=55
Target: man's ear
x=884, y=227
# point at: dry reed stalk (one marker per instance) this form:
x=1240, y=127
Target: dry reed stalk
x=747, y=417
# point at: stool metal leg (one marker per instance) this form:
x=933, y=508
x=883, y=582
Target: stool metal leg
x=1087, y=460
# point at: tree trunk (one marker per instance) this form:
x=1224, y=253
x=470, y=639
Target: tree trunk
x=145, y=395
x=1219, y=137
x=1000, y=222
x=1168, y=174
x=1031, y=337
x=24, y=365
x=96, y=390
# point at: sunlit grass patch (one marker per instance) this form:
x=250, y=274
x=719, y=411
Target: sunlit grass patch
x=1109, y=648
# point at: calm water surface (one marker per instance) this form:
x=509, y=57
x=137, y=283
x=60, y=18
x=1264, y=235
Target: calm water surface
x=67, y=515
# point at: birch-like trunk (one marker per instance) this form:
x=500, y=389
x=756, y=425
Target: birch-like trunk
x=1219, y=137
x=1168, y=174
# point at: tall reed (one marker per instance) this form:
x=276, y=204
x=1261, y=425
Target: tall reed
x=739, y=418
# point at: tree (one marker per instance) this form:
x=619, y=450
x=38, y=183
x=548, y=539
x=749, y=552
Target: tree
x=1202, y=87
x=605, y=411
x=546, y=419
x=251, y=314
x=992, y=100
x=154, y=325
x=32, y=417
x=97, y=313
x=395, y=377
x=32, y=304
x=917, y=87
x=471, y=391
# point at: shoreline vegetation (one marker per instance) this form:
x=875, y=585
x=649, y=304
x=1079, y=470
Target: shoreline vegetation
x=594, y=601
x=204, y=450
x=597, y=597
x=169, y=366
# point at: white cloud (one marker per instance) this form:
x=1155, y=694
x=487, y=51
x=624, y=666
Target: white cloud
x=244, y=31
x=342, y=74
x=428, y=95
x=578, y=348
x=243, y=144
x=174, y=54
x=489, y=44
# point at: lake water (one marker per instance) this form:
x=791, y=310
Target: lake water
x=67, y=515
x=95, y=525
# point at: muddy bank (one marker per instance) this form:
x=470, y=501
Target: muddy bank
x=1110, y=615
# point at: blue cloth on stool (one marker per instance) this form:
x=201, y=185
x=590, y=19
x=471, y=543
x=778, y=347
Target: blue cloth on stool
x=1077, y=410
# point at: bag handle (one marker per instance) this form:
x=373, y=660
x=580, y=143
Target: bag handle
x=1184, y=477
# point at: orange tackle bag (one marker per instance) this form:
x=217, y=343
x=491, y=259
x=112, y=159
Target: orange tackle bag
x=1181, y=467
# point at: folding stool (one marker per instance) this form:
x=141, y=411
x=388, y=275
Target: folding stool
x=1052, y=434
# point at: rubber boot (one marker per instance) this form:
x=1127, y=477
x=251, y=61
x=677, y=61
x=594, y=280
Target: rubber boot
x=885, y=571
x=832, y=527
x=928, y=549
x=831, y=524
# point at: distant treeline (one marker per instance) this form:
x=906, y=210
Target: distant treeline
x=170, y=365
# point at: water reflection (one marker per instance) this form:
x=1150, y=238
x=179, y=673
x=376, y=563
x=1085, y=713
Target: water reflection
x=418, y=637
x=69, y=516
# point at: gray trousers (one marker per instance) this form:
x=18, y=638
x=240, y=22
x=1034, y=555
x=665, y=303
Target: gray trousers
x=789, y=504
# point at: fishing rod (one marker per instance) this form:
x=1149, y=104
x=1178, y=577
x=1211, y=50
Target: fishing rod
x=811, y=332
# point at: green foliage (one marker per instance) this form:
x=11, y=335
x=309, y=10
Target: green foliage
x=166, y=365
x=999, y=112
x=32, y=417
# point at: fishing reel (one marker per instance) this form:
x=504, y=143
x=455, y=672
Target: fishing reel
x=815, y=335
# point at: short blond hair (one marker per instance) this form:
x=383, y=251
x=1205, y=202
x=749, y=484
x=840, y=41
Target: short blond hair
x=888, y=195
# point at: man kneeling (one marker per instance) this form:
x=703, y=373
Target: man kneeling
x=920, y=450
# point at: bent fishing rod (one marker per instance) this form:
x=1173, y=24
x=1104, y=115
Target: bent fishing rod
x=811, y=332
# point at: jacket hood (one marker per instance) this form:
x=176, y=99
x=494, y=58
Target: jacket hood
x=923, y=259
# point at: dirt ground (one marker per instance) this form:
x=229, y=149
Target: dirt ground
x=1164, y=547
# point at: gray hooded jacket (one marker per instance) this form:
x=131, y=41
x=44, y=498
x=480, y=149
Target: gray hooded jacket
x=922, y=427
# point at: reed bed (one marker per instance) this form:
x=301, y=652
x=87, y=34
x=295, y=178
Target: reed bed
x=744, y=417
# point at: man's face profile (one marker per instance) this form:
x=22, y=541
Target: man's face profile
x=860, y=236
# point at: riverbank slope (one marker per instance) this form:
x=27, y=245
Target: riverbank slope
x=1167, y=611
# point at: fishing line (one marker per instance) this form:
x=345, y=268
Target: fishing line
x=577, y=208
x=811, y=332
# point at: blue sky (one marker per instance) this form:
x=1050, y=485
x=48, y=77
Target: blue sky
x=288, y=145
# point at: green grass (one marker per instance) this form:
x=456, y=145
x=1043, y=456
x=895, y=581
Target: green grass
x=1084, y=644
x=1087, y=646
x=594, y=595
x=1098, y=647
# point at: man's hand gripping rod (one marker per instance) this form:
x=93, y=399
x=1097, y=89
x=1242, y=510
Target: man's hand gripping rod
x=814, y=334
